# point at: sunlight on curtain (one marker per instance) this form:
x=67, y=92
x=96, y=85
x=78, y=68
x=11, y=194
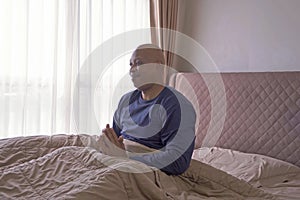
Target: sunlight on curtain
x=43, y=45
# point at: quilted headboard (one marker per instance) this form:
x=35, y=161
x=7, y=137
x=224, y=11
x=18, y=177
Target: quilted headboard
x=254, y=112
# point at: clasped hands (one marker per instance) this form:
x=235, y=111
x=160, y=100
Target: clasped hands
x=110, y=144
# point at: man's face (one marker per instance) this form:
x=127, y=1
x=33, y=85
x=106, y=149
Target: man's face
x=146, y=68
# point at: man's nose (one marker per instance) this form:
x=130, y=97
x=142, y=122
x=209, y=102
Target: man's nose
x=133, y=69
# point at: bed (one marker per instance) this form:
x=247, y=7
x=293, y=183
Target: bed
x=248, y=125
x=246, y=148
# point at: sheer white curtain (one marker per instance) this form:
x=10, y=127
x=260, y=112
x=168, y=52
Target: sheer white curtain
x=43, y=44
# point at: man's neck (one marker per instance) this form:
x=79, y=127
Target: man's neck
x=152, y=92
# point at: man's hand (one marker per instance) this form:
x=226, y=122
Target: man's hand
x=110, y=144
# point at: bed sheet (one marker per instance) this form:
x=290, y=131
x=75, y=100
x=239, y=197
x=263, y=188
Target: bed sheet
x=271, y=175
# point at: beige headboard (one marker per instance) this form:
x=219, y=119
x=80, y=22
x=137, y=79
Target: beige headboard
x=257, y=112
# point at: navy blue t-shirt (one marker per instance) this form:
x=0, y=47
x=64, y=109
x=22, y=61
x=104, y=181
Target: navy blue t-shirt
x=165, y=123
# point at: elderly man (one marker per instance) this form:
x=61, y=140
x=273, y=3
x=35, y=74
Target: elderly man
x=154, y=115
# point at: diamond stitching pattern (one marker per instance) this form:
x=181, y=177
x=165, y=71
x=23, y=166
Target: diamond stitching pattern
x=262, y=112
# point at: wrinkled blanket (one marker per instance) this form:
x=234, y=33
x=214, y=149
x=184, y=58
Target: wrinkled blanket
x=67, y=167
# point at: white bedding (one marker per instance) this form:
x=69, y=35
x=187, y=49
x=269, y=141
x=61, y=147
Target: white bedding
x=64, y=167
x=269, y=174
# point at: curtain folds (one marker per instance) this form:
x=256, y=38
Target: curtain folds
x=163, y=16
x=44, y=44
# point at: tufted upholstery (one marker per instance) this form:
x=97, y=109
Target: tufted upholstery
x=257, y=112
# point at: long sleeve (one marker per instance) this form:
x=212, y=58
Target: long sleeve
x=166, y=123
x=178, y=139
x=160, y=160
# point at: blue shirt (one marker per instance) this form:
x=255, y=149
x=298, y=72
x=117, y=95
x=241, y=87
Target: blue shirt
x=166, y=123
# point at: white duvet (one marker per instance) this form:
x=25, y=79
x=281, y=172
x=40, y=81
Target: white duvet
x=269, y=174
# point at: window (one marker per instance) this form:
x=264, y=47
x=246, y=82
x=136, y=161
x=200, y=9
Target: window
x=43, y=45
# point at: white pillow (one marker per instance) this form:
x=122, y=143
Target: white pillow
x=246, y=166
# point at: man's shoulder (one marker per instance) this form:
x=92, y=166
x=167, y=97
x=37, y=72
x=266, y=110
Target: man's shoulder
x=173, y=90
x=177, y=95
x=129, y=95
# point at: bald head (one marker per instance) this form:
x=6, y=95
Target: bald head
x=151, y=52
x=146, y=66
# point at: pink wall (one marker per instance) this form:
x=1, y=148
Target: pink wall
x=245, y=35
